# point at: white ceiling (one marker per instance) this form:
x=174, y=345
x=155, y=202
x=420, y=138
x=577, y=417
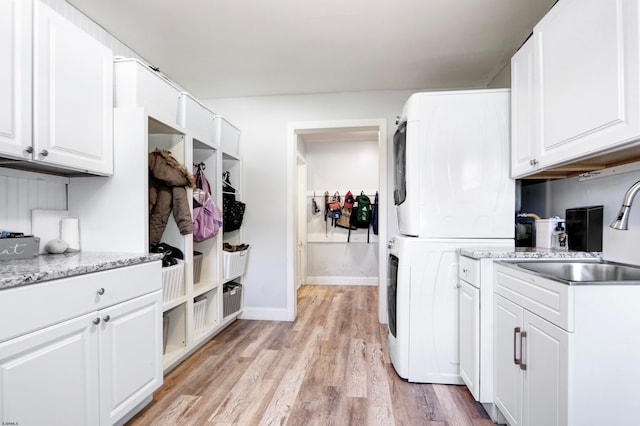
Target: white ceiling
x=229, y=48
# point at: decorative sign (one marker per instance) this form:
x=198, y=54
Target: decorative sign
x=19, y=248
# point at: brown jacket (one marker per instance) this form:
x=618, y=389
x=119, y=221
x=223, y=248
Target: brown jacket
x=168, y=183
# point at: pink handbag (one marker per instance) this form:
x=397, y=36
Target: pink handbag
x=207, y=217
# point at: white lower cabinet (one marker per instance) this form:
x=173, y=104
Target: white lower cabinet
x=531, y=367
x=51, y=374
x=555, y=346
x=469, y=317
x=130, y=363
x=92, y=369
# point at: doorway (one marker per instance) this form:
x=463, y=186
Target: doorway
x=299, y=134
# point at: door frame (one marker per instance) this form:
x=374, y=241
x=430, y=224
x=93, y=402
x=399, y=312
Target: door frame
x=296, y=128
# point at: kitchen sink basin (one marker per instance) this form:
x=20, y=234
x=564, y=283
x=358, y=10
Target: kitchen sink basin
x=585, y=272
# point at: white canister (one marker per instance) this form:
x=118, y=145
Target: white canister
x=544, y=231
x=70, y=232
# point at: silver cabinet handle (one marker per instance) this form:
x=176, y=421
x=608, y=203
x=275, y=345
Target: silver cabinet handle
x=106, y=318
x=96, y=321
x=516, y=331
x=533, y=162
x=101, y=291
x=44, y=152
x=523, y=335
x=29, y=149
x=465, y=270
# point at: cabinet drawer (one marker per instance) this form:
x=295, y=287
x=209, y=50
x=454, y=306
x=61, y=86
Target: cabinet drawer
x=469, y=270
x=546, y=298
x=31, y=307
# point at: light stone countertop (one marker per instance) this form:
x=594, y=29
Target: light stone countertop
x=15, y=273
x=525, y=253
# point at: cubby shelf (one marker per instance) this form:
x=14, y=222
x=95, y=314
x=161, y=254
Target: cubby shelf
x=152, y=113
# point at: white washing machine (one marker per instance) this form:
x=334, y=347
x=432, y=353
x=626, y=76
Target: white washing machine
x=422, y=306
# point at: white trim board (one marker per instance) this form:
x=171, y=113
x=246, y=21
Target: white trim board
x=266, y=314
x=342, y=281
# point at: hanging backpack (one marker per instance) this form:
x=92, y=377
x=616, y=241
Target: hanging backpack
x=374, y=215
x=361, y=214
x=344, y=221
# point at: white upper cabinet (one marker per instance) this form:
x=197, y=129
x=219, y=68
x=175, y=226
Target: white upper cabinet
x=137, y=85
x=73, y=95
x=15, y=71
x=198, y=121
x=581, y=92
x=68, y=125
x=523, y=142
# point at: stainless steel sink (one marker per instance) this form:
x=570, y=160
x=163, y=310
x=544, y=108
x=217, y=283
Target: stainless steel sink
x=585, y=272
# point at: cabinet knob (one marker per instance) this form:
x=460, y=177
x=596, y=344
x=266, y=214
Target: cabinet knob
x=533, y=162
x=96, y=321
x=465, y=270
x=44, y=152
x=29, y=149
x=101, y=291
x=106, y=318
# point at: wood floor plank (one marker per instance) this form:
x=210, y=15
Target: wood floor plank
x=329, y=367
x=245, y=391
x=279, y=408
x=357, y=369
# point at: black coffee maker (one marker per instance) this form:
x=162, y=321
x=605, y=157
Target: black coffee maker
x=584, y=227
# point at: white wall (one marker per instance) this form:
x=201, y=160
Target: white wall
x=554, y=197
x=263, y=147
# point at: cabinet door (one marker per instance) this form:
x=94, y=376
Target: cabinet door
x=507, y=384
x=73, y=95
x=51, y=375
x=545, y=399
x=15, y=78
x=587, y=64
x=469, y=306
x=130, y=354
x=523, y=142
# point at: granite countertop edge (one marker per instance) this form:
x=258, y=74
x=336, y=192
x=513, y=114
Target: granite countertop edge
x=15, y=273
x=525, y=253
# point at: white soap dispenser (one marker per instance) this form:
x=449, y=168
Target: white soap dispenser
x=559, y=239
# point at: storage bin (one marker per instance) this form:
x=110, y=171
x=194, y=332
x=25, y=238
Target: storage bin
x=197, y=266
x=199, y=309
x=231, y=298
x=235, y=263
x=173, y=282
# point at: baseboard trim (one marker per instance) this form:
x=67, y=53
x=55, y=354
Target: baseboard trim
x=266, y=314
x=342, y=281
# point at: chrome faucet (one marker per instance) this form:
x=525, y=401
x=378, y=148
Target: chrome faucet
x=622, y=220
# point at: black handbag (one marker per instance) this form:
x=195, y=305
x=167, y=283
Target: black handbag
x=232, y=209
x=232, y=213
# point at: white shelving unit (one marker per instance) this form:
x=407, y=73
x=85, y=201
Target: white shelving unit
x=151, y=112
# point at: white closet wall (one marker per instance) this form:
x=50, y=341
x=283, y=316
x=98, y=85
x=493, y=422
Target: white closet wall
x=340, y=166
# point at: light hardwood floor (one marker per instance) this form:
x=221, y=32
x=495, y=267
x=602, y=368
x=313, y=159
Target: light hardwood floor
x=329, y=367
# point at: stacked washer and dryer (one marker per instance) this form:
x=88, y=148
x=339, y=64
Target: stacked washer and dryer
x=452, y=189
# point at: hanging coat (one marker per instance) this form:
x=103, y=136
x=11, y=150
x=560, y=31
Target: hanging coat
x=168, y=183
